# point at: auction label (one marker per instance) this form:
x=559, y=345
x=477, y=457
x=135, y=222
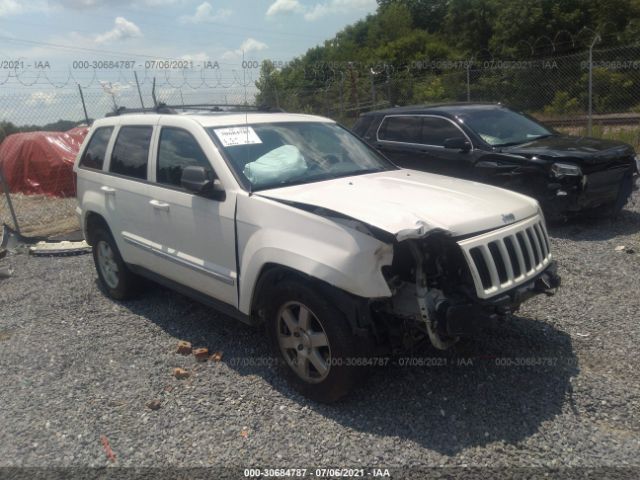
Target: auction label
x=234, y=136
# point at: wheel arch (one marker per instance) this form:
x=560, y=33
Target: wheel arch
x=355, y=309
x=93, y=220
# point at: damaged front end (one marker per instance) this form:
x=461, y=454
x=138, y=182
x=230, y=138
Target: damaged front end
x=444, y=287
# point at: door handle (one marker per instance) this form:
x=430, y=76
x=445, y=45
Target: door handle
x=158, y=205
x=108, y=190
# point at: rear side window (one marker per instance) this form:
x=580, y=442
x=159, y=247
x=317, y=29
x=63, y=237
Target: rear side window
x=94, y=154
x=405, y=129
x=177, y=150
x=131, y=152
x=436, y=130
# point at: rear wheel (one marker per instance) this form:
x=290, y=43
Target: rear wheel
x=313, y=341
x=117, y=280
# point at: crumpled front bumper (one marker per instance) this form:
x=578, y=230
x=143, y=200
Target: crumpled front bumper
x=467, y=318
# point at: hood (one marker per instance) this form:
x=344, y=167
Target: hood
x=408, y=203
x=579, y=149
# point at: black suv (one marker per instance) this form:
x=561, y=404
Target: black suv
x=493, y=144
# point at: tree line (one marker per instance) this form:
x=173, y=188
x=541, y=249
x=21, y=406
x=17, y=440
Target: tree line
x=398, y=56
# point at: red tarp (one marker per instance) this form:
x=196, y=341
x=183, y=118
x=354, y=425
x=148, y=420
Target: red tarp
x=41, y=162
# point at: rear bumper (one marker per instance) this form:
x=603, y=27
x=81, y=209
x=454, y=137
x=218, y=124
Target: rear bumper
x=467, y=318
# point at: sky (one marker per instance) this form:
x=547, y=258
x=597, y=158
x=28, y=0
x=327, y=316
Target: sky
x=60, y=31
x=49, y=47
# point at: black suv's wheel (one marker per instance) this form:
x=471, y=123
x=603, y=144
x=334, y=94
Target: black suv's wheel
x=625, y=191
x=313, y=341
x=115, y=277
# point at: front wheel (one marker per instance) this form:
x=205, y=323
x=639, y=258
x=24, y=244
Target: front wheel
x=313, y=341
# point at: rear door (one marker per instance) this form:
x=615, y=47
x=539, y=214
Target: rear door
x=194, y=236
x=125, y=190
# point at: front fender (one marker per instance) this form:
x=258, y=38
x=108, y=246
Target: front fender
x=270, y=232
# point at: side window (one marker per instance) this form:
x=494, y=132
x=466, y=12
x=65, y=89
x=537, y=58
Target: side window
x=436, y=130
x=177, y=150
x=93, y=156
x=131, y=152
x=404, y=129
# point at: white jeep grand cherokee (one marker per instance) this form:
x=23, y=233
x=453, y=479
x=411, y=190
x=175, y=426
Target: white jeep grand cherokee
x=292, y=221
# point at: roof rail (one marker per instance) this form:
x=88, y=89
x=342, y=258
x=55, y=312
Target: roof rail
x=210, y=107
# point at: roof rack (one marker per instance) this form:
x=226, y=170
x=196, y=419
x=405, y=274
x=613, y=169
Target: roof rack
x=209, y=107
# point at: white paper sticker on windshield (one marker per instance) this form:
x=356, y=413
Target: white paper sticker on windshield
x=233, y=136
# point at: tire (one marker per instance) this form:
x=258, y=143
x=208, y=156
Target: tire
x=613, y=209
x=296, y=317
x=114, y=275
x=624, y=193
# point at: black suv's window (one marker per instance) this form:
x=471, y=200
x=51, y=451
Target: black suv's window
x=131, y=152
x=93, y=156
x=177, y=150
x=436, y=130
x=404, y=129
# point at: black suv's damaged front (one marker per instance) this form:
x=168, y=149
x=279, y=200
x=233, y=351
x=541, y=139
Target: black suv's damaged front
x=445, y=287
x=569, y=174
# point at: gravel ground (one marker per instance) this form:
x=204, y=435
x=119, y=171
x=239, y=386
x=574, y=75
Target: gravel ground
x=77, y=366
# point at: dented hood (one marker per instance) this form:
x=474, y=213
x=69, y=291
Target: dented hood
x=409, y=204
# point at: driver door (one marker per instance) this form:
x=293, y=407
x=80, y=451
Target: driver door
x=446, y=161
x=195, y=234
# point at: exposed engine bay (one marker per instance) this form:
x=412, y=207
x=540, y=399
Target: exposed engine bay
x=434, y=295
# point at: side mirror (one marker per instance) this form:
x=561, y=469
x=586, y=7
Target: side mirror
x=457, y=143
x=202, y=181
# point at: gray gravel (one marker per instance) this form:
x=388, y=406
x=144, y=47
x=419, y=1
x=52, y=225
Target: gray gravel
x=76, y=366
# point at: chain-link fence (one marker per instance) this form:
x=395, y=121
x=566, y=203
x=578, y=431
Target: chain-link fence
x=595, y=92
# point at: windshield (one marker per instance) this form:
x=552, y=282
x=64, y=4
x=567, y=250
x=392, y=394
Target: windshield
x=500, y=127
x=273, y=155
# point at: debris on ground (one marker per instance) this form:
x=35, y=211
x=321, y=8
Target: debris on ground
x=63, y=248
x=5, y=272
x=184, y=348
x=154, y=405
x=620, y=248
x=216, y=357
x=201, y=354
x=244, y=433
x=180, y=373
x=107, y=448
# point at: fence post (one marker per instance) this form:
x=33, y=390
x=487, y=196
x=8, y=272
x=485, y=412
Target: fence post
x=341, y=94
x=5, y=189
x=354, y=90
x=84, y=106
x=596, y=39
x=373, y=88
x=135, y=74
x=468, y=82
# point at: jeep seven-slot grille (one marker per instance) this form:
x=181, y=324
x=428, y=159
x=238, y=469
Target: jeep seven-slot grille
x=503, y=259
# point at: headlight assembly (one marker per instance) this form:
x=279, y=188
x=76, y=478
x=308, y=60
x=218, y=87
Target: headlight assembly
x=565, y=170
